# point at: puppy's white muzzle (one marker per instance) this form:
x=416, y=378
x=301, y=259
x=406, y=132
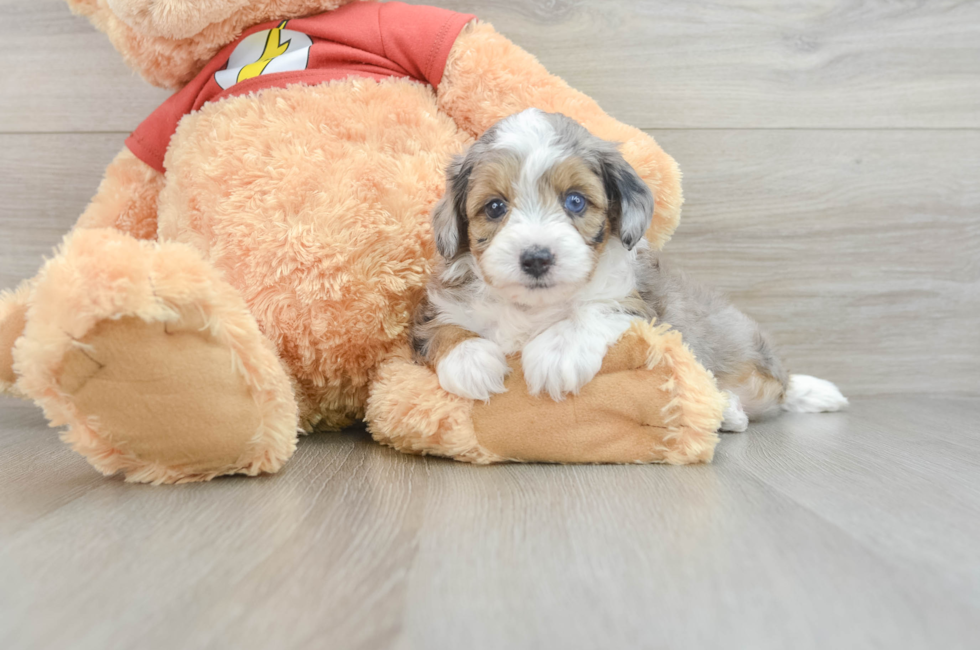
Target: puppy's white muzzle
x=547, y=260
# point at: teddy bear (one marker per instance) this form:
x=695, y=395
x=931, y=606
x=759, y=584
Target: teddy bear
x=248, y=269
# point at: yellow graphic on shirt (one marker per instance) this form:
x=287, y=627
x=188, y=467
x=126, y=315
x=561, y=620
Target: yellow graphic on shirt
x=266, y=52
x=273, y=48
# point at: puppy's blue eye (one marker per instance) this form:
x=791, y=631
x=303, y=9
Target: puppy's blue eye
x=495, y=209
x=575, y=203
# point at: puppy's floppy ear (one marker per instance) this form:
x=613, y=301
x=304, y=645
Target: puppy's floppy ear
x=449, y=221
x=630, y=200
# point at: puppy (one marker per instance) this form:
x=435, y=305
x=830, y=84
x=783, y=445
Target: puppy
x=541, y=233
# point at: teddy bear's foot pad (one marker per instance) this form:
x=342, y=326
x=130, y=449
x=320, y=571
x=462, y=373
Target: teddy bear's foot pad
x=164, y=393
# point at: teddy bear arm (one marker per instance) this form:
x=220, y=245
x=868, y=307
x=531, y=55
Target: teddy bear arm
x=650, y=403
x=487, y=78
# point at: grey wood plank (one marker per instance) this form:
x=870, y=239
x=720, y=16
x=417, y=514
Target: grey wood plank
x=652, y=63
x=46, y=180
x=807, y=532
x=884, y=479
x=758, y=63
x=40, y=473
x=59, y=74
x=858, y=251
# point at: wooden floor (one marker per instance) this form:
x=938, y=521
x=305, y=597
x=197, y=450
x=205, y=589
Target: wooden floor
x=849, y=530
x=831, y=157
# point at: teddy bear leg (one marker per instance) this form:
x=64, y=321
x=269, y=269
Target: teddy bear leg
x=154, y=363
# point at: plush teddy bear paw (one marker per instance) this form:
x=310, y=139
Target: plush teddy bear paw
x=163, y=394
x=154, y=363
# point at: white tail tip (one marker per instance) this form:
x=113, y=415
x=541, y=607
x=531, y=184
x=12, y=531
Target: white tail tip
x=806, y=394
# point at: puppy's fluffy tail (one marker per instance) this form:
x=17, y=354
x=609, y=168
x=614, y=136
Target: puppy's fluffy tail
x=806, y=394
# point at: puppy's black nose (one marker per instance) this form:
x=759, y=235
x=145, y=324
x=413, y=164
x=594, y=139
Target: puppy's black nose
x=536, y=261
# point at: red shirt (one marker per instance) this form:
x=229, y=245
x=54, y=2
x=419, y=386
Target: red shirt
x=363, y=39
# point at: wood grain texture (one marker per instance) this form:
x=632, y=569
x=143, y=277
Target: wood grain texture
x=859, y=251
x=46, y=180
x=853, y=530
x=60, y=75
x=758, y=63
x=652, y=63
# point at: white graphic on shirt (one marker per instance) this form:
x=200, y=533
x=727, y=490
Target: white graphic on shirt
x=266, y=52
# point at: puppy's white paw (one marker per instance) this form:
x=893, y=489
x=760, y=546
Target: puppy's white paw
x=474, y=369
x=806, y=394
x=567, y=355
x=735, y=420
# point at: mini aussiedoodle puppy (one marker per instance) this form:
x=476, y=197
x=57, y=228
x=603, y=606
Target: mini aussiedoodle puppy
x=541, y=235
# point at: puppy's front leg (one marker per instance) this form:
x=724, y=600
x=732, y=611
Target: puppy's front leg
x=467, y=365
x=567, y=355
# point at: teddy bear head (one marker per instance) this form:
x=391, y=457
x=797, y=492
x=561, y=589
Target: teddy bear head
x=170, y=41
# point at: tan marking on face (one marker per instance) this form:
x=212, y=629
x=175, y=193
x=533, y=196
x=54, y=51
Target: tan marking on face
x=493, y=178
x=574, y=175
x=431, y=339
